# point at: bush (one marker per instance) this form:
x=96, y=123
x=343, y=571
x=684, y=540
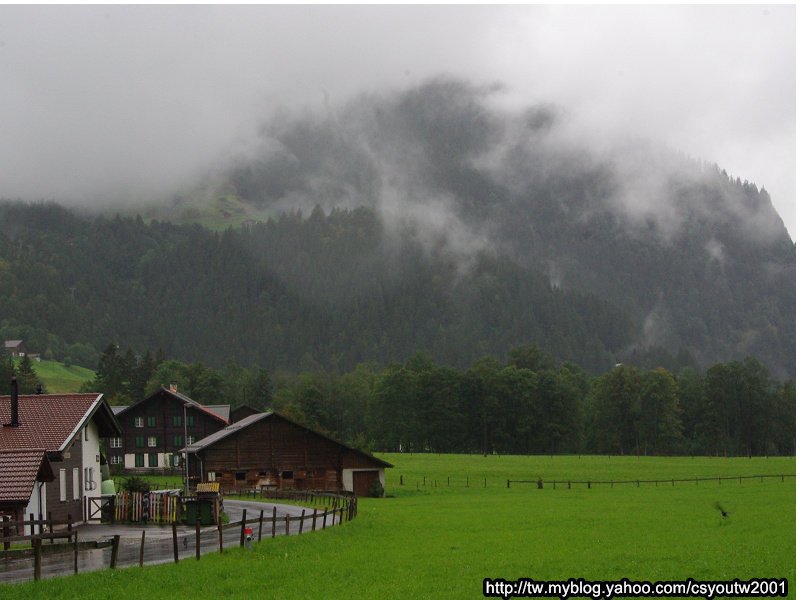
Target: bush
x=376, y=489
x=136, y=484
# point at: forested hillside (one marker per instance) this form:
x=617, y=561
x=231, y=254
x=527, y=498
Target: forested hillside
x=294, y=293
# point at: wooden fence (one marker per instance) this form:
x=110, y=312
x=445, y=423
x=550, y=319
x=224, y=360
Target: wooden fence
x=64, y=555
x=156, y=507
x=541, y=483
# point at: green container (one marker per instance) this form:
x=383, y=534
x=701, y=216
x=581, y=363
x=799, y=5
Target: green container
x=107, y=487
x=202, y=508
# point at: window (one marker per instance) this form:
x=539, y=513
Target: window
x=190, y=420
x=287, y=475
x=241, y=475
x=76, y=484
x=189, y=439
x=152, y=460
x=139, y=460
x=115, y=442
x=176, y=460
x=62, y=485
x=212, y=476
x=88, y=475
x=86, y=433
x=152, y=441
x=115, y=460
x=138, y=421
x=176, y=421
x=178, y=441
x=140, y=441
x=151, y=421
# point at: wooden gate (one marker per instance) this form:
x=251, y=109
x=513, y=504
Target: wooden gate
x=94, y=509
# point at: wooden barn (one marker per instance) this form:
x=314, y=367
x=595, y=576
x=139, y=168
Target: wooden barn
x=267, y=449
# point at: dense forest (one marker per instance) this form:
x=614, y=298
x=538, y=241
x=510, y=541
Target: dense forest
x=527, y=404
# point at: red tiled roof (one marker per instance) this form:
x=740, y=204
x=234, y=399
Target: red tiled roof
x=46, y=421
x=20, y=468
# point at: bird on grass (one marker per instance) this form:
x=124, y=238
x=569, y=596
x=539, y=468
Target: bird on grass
x=721, y=510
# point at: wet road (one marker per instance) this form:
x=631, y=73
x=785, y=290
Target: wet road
x=158, y=547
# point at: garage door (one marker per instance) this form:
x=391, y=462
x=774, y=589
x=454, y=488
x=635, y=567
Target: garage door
x=362, y=480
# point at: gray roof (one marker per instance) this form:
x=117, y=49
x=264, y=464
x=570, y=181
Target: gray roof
x=223, y=410
x=215, y=437
x=212, y=439
x=117, y=409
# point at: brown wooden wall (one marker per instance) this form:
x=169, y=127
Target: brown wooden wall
x=61, y=510
x=163, y=406
x=271, y=448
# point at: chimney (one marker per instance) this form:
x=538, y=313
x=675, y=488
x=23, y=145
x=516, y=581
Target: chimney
x=14, y=404
x=173, y=387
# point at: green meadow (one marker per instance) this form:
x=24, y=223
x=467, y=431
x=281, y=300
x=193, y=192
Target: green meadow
x=59, y=378
x=442, y=541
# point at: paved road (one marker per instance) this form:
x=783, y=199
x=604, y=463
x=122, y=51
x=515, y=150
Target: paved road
x=158, y=542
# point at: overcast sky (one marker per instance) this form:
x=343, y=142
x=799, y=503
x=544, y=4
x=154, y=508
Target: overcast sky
x=115, y=102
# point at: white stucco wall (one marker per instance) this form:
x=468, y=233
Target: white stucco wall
x=347, y=477
x=33, y=504
x=90, y=469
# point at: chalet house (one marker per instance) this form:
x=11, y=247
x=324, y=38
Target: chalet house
x=155, y=429
x=15, y=347
x=269, y=449
x=51, y=444
x=22, y=486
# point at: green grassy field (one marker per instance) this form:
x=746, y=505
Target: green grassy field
x=440, y=542
x=59, y=378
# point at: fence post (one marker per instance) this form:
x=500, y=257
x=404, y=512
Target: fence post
x=302, y=518
x=508, y=483
x=6, y=533
x=314, y=521
x=197, y=535
x=325, y=517
x=114, y=551
x=219, y=534
x=141, y=551
x=175, y=541
x=341, y=515
x=50, y=524
x=33, y=530
x=241, y=534
x=37, y=558
x=260, y=524
x=274, y=519
x=75, y=552
x=287, y=523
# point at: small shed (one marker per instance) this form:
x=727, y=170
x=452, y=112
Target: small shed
x=268, y=449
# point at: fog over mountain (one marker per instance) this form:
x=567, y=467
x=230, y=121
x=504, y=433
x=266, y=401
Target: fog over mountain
x=610, y=183
x=109, y=105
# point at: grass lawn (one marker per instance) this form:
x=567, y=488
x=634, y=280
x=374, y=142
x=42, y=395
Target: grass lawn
x=59, y=378
x=441, y=542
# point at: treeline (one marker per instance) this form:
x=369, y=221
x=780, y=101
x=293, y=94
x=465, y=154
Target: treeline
x=527, y=404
